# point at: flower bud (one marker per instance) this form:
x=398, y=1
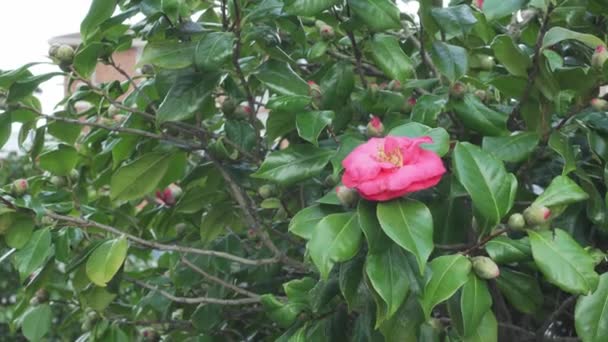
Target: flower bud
x=375, y=128
x=74, y=175
x=314, y=89
x=599, y=57
x=484, y=267
x=284, y=144
x=20, y=186
x=64, y=54
x=267, y=190
x=457, y=90
x=327, y=32
x=347, y=196
x=53, y=50
x=243, y=112
x=170, y=195
x=150, y=335
x=42, y=295
x=481, y=94
x=478, y=3
x=331, y=180
x=408, y=105
x=537, y=214
x=58, y=181
x=486, y=62
x=229, y=106
x=147, y=69
x=517, y=221
x=394, y=85
x=599, y=104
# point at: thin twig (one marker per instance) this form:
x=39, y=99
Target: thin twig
x=555, y=315
x=426, y=58
x=159, y=246
x=194, y=300
x=218, y=280
x=486, y=239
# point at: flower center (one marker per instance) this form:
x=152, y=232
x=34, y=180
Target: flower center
x=393, y=156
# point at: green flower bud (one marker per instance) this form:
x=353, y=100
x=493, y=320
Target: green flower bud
x=481, y=94
x=599, y=57
x=537, y=214
x=394, y=85
x=64, y=54
x=267, y=190
x=599, y=104
x=484, y=267
x=457, y=90
x=229, y=106
x=327, y=32
x=347, y=196
x=20, y=187
x=58, y=181
x=517, y=221
x=486, y=62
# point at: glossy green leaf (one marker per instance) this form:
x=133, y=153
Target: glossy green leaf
x=590, y=314
x=455, y=21
x=20, y=231
x=5, y=129
x=487, y=330
x=409, y=223
x=404, y=325
x=451, y=60
x=484, y=177
x=377, y=241
x=427, y=109
x=441, y=138
x=308, y=8
x=336, y=238
x=311, y=124
x=139, y=177
x=214, y=50
x=34, y=253
x=280, y=123
x=475, y=302
x=378, y=15
x=514, y=148
x=66, y=132
x=100, y=11
x=59, y=161
x=304, y=222
x=294, y=164
x=496, y=9
x=389, y=56
x=241, y=133
x=563, y=261
x=187, y=96
x=281, y=78
x=448, y=274
x=168, y=54
x=559, y=34
x=337, y=84
x=25, y=87
x=86, y=58
x=477, y=116
x=561, y=191
x=504, y=250
x=387, y=273
x=36, y=322
x=106, y=260
x=511, y=56
x=289, y=103
x=349, y=279
x=521, y=290
x=560, y=144
x=282, y=313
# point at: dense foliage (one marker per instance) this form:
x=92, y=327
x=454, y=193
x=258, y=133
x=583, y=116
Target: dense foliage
x=196, y=200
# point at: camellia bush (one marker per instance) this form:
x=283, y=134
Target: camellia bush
x=313, y=170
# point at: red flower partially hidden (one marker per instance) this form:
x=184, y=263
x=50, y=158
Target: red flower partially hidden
x=168, y=196
x=479, y=3
x=387, y=168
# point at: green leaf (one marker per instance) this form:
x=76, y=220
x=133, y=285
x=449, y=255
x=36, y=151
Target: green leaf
x=189, y=93
x=477, y=116
x=496, y=9
x=561, y=191
x=20, y=231
x=60, y=161
x=304, y=222
x=308, y=8
x=405, y=324
x=504, y=250
x=441, y=138
x=514, y=148
x=139, y=177
x=511, y=56
x=64, y=131
x=377, y=241
x=168, y=54
x=349, y=280
x=521, y=290
x=409, y=223
x=214, y=50
x=37, y=322
x=100, y=11
x=455, y=21
x=288, y=103
x=563, y=261
x=106, y=260
x=336, y=85
x=85, y=60
x=475, y=302
x=389, y=56
x=241, y=133
x=451, y=60
x=34, y=253
x=560, y=144
x=24, y=87
x=448, y=274
x=387, y=273
x=280, y=123
x=484, y=177
x=280, y=78
x=558, y=34
x=378, y=15
x=590, y=314
x=487, y=330
x=427, y=109
x=5, y=128
x=336, y=238
x=311, y=124
x=293, y=164
x=282, y=313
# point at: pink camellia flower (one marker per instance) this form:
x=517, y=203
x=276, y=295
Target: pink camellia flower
x=479, y=3
x=386, y=168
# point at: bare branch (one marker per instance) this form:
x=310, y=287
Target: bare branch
x=218, y=280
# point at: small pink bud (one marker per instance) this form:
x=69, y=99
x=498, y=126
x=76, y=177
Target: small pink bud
x=479, y=4
x=599, y=57
x=411, y=101
x=20, y=186
x=537, y=214
x=375, y=128
x=599, y=104
x=169, y=195
x=457, y=90
x=311, y=83
x=347, y=196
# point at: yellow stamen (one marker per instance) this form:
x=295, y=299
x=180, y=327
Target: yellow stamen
x=394, y=157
